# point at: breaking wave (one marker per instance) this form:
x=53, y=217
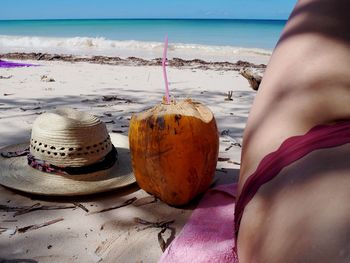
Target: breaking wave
x=87, y=46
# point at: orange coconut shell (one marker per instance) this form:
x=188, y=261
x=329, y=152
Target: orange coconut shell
x=174, y=150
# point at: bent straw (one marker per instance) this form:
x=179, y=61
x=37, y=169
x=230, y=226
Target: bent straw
x=164, y=69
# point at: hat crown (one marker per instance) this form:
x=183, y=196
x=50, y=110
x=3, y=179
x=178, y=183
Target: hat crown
x=67, y=137
x=65, y=119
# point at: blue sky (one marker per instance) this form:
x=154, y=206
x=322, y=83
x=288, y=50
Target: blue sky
x=57, y=9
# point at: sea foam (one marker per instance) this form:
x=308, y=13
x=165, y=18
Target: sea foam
x=87, y=46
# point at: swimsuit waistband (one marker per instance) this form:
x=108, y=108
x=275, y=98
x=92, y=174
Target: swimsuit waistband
x=291, y=150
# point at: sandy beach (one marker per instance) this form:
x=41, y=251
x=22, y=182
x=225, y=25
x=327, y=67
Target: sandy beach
x=113, y=92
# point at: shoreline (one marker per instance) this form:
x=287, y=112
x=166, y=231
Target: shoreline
x=134, y=61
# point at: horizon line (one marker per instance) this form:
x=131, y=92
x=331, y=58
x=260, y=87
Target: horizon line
x=194, y=18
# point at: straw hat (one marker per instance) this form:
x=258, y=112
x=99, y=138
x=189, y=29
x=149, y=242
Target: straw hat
x=71, y=153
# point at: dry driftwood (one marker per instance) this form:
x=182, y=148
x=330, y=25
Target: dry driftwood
x=148, y=224
x=81, y=206
x=126, y=203
x=145, y=201
x=163, y=225
x=20, y=210
x=229, y=95
x=6, y=77
x=254, y=78
x=33, y=227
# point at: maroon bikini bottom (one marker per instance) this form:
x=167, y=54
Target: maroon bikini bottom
x=291, y=150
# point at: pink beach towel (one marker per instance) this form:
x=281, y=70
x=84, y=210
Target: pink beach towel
x=208, y=235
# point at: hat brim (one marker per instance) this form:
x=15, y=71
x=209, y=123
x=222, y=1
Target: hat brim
x=15, y=173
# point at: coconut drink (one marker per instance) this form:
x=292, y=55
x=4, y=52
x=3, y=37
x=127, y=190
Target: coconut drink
x=174, y=149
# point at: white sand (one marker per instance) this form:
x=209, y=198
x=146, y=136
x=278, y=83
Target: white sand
x=81, y=237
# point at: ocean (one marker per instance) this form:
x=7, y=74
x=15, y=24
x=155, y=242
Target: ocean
x=188, y=38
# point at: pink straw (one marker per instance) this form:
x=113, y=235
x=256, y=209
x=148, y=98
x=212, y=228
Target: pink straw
x=164, y=60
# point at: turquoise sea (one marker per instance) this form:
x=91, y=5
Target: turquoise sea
x=125, y=36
